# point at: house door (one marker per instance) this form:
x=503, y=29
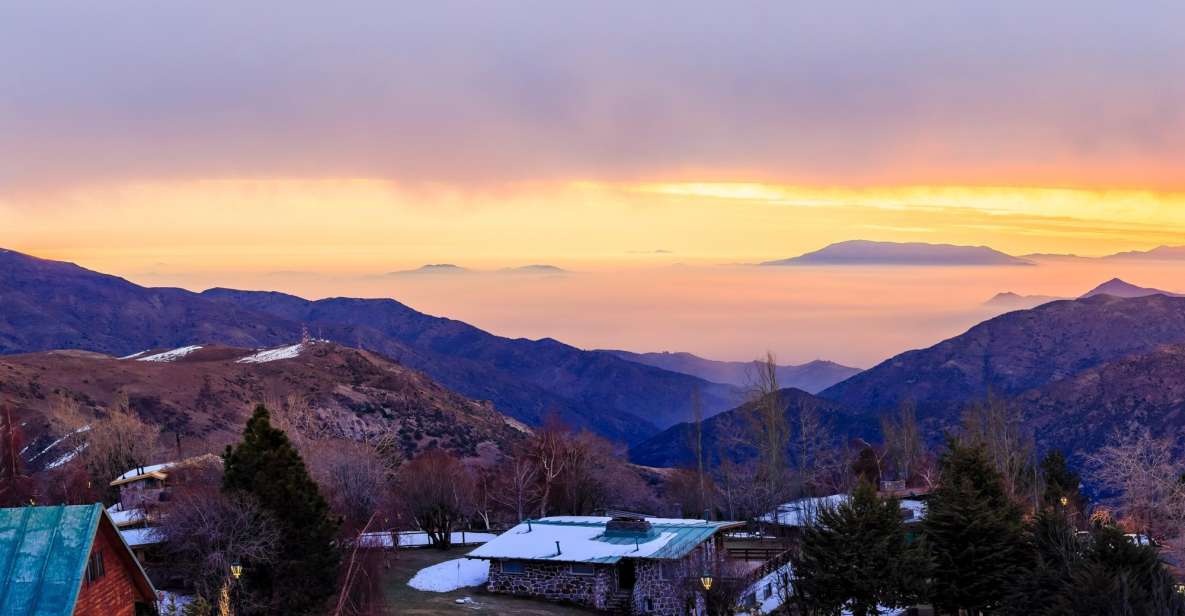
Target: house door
x=625, y=574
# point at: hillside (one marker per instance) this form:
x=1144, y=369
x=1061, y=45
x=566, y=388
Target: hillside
x=864, y=252
x=1014, y=353
x=205, y=394
x=811, y=377
x=1079, y=413
x=47, y=305
x=727, y=435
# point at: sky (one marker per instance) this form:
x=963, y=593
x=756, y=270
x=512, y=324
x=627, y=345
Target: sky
x=321, y=145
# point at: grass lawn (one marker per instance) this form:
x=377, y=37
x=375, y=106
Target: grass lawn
x=405, y=600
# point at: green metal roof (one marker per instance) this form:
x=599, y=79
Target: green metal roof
x=43, y=555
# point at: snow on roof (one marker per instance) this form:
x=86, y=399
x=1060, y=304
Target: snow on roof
x=583, y=539
x=136, y=537
x=805, y=511
x=262, y=357
x=125, y=517
x=145, y=470
x=173, y=355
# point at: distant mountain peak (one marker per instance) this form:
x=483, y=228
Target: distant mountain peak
x=435, y=268
x=867, y=252
x=1117, y=287
x=536, y=268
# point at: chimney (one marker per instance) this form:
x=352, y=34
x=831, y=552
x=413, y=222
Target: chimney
x=627, y=526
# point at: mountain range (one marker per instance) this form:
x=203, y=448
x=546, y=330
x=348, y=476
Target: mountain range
x=864, y=252
x=203, y=394
x=1114, y=287
x=812, y=377
x=47, y=305
x=873, y=253
x=1074, y=370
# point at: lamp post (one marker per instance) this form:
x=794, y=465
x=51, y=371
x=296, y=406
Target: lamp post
x=224, y=607
x=1065, y=500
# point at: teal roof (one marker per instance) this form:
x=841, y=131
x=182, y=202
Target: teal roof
x=43, y=555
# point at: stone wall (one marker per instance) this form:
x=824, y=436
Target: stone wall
x=554, y=581
x=667, y=592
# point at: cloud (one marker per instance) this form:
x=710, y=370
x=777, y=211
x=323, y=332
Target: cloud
x=1059, y=93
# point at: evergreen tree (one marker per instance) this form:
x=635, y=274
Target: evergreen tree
x=267, y=466
x=974, y=534
x=1054, y=554
x=856, y=557
x=1121, y=578
x=1060, y=482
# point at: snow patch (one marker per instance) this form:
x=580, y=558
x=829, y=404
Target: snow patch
x=173, y=355
x=451, y=575
x=134, y=355
x=288, y=352
x=419, y=538
x=66, y=458
x=58, y=442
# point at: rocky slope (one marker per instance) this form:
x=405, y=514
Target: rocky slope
x=205, y=395
x=1033, y=353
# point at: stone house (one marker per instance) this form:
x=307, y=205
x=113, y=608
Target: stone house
x=625, y=564
x=69, y=561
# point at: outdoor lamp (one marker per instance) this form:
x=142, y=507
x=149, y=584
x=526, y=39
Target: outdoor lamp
x=236, y=569
x=1180, y=588
x=1065, y=501
x=706, y=580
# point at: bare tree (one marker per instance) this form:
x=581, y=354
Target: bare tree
x=903, y=441
x=355, y=477
x=697, y=447
x=206, y=531
x=437, y=493
x=769, y=429
x=549, y=452
x=1147, y=473
x=110, y=444
x=516, y=483
x=1001, y=431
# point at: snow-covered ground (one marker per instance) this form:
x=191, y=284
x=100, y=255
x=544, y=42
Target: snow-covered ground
x=451, y=575
x=416, y=539
x=262, y=357
x=173, y=355
x=57, y=442
x=70, y=455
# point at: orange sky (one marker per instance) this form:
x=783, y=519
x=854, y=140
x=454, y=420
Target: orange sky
x=371, y=226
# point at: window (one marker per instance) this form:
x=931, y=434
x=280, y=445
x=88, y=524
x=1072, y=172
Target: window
x=583, y=569
x=769, y=591
x=95, y=568
x=649, y=604
x=513, y=566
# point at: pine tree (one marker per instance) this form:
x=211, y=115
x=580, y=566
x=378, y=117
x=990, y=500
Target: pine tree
x=1121, y=578
x=267, y=466
x=1054, y=554
x=1060, y=482
x=974, y=534
x=856, y=557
